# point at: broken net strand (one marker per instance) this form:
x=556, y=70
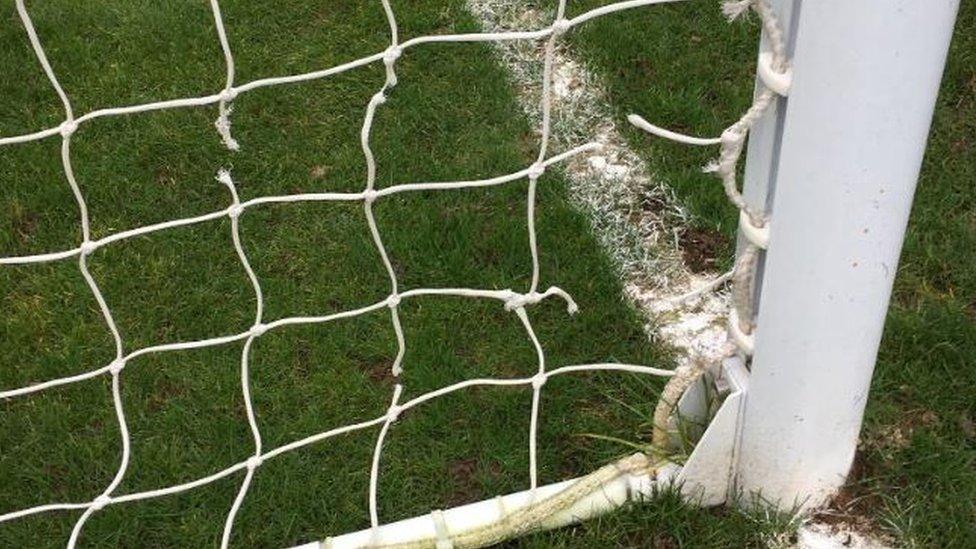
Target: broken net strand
x=227, y=95
x=643, y=124
x=513, y=301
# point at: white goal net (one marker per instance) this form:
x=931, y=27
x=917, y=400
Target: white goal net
x=515, y=301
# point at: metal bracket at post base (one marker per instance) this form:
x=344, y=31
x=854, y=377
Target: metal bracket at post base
x=706, y=478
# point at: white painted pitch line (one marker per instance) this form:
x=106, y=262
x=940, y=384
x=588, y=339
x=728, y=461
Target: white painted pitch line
x=634, y=216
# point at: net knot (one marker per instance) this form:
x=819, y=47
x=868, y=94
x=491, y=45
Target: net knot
x=228, y=94
x=369, y=195
x=116, y=366
x=536, y=170
x=393, y=301
x=379, y=98
x=258, y=330
x=518, y=301
x=87, y=247
x=539, y=380
x=254, y=462
x=560, y=26
x=392, y=54
x=393, y=412
x=732, y=137
x=100, y=502
x=732, y=140
x=235, y=211
x=515, y=300
x=68, y=127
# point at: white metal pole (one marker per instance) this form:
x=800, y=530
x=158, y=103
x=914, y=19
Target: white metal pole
x=439, y=528
x=836, y=165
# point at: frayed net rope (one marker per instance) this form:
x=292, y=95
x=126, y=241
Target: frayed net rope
x=512, y=301
x=732, y=143
x=743, y=275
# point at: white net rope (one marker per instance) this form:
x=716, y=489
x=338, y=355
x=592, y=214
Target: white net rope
x=513, y=301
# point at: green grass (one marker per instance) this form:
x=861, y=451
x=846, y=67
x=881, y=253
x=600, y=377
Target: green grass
x=683, y=66
x=452, y=116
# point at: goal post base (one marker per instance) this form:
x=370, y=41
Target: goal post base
x=440, y=528
x=704, y=479
x=707, y=476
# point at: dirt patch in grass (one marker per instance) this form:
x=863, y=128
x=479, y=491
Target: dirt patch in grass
x=898, y=436
x=380, y=373
x=967, y=426
x=701, y=248
x=849, y=517
x=465, y=476
x=971, y=309
x=852, y=505
x=24, y=224
x=164, y=392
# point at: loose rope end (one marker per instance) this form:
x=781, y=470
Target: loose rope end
x=735, y=9
x=223, y=175
x=223, y=128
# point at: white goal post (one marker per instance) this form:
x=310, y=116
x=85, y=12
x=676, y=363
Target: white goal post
x=836, y=164
x=836, y=134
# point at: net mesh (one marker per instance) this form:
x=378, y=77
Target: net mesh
x=513, y=301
